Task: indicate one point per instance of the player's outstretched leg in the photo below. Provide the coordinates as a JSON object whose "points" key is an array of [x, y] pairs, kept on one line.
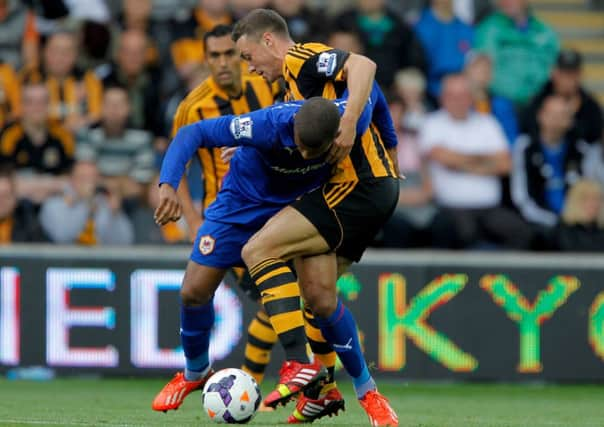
{"points": [[341, 331], [281, 299], [196, 320]]}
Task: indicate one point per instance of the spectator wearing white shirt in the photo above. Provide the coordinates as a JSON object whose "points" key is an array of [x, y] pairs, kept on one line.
{"points": [[122, 154], [467, 153]]}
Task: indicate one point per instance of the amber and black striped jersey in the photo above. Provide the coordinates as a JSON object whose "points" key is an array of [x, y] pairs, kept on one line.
{"points": [[10, 95], [208, 100], [314, 69], [54, 155], [80, 93]]}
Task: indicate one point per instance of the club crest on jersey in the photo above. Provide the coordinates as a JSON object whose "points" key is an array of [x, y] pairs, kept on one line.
{"points": [[241, 127], [206, 244], [326, 63]]}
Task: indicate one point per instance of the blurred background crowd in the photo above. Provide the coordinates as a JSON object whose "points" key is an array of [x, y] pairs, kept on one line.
{"points": [[499, 138]]}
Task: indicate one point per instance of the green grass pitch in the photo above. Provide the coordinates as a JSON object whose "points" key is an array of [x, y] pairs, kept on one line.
{"points": [[126, 402]]}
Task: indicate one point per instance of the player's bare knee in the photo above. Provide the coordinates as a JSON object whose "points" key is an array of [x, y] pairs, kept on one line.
{"points": [[320, 303], [254, 252], [192, 295], [247, 254]]}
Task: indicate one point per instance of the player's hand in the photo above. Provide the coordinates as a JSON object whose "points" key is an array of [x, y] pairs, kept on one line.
{"points": [[169, 208], [344, 141], [227, 153]]}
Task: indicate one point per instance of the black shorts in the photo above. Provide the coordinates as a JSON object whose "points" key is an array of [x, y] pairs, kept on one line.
{"points": [[349, 219]]}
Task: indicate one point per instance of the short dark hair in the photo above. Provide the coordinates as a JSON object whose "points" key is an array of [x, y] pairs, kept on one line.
{"points": [[258, 22], [317, 122], [219, 30]]}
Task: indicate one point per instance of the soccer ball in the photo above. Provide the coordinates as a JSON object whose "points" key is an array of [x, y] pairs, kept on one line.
{"points": [[231, 396]]}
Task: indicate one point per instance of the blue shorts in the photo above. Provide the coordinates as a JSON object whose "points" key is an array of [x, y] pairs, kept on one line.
{"points": [[219, 245]]}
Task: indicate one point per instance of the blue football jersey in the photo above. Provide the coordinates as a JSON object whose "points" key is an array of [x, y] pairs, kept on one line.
{"points": [[267, 171]]}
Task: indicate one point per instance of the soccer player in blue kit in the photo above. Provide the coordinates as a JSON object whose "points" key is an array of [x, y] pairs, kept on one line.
{"points": [[282, 156]]}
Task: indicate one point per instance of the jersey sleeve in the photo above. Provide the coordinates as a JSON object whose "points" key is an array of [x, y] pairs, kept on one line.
{"points": [[365, 117], [319, 69], [256, 129], [381, 117], [376, 111]]}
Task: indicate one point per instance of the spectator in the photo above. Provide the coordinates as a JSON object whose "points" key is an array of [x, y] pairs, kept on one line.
{"points": [[136, 15], [187, 49], [85, 213], [10, 95], [386, 38], [75, 96], [130, 71], [522, 47], [18, 34], [467, 154], [446, 41], [18, 222], [478, 71], [581, 228], [546, 163], [347, 41], [121, 154], [305, 24], [566, 81], [145, 229], [41, 151], [408, 226]]}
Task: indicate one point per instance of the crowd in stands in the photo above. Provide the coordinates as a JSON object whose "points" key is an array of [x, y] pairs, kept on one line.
{"points": [[500, 143]]}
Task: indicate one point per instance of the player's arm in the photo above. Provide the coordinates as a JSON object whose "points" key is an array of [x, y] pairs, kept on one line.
{"points": [[376, 111], [336, 65], [254, 129], [382, 119], [193, 217], [359, 73], [366, 116]]}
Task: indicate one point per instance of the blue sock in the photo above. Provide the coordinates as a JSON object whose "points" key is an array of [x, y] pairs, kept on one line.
{"points": [[341, 332], [195, 327]]}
